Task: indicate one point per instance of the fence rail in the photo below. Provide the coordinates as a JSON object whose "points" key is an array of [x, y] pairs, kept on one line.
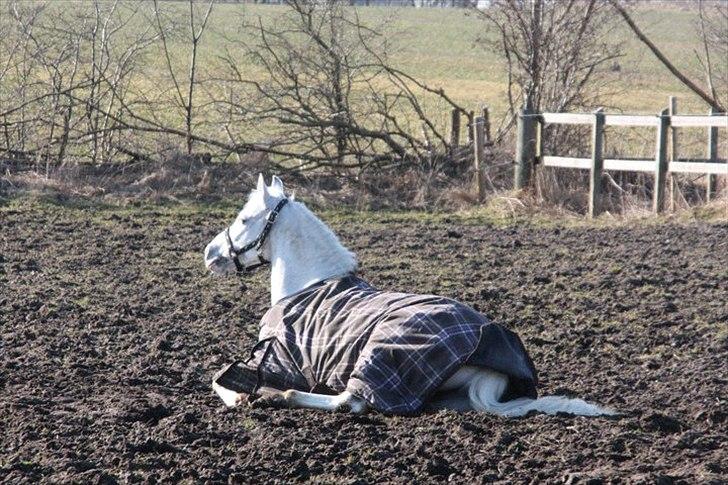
{"points": [[677, 121], [531, 138]]}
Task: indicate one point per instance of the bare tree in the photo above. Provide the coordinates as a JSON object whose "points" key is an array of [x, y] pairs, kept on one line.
{"points": [[713, 28], [50, 69], [185, 97], [15, 76], [323, 94], [113, 52], [558, 54], [69, 70], [328, 96], [714, 36]]}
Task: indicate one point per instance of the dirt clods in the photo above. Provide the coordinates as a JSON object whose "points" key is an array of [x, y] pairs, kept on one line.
{"points": [[111, 330]]}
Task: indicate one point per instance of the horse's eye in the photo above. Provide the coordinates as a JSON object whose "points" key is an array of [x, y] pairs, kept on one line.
{"points": [[244, 221]]}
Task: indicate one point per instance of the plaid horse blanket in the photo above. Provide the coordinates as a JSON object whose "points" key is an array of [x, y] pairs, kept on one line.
{"points": [[392, 349]]}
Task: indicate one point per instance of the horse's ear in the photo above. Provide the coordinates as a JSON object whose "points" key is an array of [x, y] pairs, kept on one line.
{"points": [[293, 196], [277, 184], [261, 183]]}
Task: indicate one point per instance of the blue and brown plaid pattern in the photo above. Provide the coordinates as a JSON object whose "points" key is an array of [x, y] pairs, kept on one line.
{"points": [[392, 349]]}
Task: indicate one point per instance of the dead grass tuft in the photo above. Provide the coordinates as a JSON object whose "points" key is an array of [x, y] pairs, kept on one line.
{"points": [[557, 194]]}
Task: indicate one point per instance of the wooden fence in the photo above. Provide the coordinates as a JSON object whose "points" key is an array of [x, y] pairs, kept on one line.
{"points": [[529, 148]]}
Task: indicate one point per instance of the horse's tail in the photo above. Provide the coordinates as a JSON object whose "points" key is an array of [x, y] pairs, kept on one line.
{"points": [[486, 387]]}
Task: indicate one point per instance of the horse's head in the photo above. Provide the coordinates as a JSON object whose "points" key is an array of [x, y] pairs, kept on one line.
{"points": [[243, 245]]}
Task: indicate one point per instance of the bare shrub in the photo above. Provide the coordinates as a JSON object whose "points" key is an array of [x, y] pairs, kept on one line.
{"points": [[184, 95], [713, 28], [65, 85], [558, 55], [327, 96]]}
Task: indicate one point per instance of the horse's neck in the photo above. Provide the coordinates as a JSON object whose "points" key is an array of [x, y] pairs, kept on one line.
{"points": [[303, 252]]}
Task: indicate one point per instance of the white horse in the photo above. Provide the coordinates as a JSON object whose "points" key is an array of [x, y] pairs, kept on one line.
{"points": [[303, 251]]}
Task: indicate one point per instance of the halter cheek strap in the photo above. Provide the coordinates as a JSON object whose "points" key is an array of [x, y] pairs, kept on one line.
{"points": [[256, 243], [234, 252]]}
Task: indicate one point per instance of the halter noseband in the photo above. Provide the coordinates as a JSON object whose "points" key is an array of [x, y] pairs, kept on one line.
{"points": [[256, 243]]}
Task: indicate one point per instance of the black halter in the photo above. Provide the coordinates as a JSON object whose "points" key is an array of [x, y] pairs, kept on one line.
{"points": [[256, 243]]}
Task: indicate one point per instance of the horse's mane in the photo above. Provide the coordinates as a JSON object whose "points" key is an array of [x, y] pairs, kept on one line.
{"points": [[306, 228]]}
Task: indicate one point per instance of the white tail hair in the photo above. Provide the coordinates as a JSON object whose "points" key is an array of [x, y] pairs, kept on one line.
{"points": [[486, 387]]}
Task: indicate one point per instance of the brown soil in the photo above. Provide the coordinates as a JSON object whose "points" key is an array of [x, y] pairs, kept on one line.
{"points": [[111, 331]]}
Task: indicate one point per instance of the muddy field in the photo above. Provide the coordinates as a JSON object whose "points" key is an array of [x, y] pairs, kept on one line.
{"points": [[111, 331]]}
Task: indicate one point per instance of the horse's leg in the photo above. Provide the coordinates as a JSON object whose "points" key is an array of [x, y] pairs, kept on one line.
{"points": [[310, 400], [230, 398]]}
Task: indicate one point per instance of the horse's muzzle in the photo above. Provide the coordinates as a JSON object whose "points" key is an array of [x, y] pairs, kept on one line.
{"points": [[220, 266]]}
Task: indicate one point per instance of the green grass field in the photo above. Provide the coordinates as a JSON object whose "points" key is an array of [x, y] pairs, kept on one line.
{"points": [[440, 47]]}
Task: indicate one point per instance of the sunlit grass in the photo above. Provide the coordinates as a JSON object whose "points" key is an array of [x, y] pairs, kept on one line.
{"points": [[440, 46]]}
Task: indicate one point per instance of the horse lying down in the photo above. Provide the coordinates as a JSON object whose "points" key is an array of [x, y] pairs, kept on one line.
{"points": [[331, 341]]}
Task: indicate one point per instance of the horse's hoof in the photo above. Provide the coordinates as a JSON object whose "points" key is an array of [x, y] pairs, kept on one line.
{"points": [[354, 406], [358, 407]]}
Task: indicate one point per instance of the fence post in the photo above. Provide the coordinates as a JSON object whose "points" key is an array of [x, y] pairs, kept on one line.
{"points": [[479, 153], [712, 155], [486, 124], [525, 148], [538, 153], [597, 166], [454, 129], [672, 153], [658, 202], [471, 120]]}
